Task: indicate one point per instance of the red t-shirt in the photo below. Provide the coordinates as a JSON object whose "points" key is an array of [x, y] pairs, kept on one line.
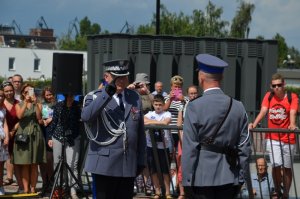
{"points": [[279, 116]]}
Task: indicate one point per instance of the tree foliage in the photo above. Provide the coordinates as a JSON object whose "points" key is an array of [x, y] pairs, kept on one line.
{"points": [[282, 49], [241, 21], [87, 28], [200, 23], [80, 41], [260, 37], [293, 89], [22, 43], [207, 22]]}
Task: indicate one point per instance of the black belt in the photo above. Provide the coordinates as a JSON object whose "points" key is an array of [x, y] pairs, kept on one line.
{"points": [[214, 148]]}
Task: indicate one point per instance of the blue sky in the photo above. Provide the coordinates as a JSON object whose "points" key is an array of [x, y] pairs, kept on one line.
{"points": [[270, 16]]}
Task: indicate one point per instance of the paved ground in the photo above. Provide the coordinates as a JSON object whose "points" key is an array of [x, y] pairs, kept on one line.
{"points": [[295, 189]]}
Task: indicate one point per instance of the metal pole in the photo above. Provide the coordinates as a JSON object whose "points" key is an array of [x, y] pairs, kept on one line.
{"points": [[157, 17]]}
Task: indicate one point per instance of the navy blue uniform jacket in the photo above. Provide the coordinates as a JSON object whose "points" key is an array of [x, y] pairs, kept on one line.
{"points": [[110, 160]]}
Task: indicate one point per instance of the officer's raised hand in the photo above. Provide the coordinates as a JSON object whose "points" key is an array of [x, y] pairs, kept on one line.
{"points": [[111, 88]]}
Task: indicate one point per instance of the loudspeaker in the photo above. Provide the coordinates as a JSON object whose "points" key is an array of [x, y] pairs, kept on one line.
{"points": [[67, 73]]}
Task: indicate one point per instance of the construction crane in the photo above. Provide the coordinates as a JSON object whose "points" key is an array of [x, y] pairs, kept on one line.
{"points": [[40, 22], [129, 29], [73, 26], [15, 25]]}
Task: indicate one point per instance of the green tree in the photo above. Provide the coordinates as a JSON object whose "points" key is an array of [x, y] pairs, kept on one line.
{"points": [[214, 26], [241, 21], [146, 29], [282, 49], [80, 40], [198, 24], [260, 37], [22, 43], [87, 28]]}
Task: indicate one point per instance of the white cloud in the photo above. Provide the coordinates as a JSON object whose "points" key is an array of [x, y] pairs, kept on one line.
{"points": [[277, 16]]}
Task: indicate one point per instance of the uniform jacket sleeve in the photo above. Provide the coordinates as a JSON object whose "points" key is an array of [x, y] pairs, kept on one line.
{"points": [[94, 103], [244, 148]]}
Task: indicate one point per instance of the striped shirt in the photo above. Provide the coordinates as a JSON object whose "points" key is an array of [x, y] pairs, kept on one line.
{"points": [[174, 108]]}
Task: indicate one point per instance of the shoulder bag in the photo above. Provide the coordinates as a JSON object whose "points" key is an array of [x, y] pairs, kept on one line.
{"points": [[23, 138]]}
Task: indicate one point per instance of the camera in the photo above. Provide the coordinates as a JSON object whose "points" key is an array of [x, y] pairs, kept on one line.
{"points": [[138, 85]]}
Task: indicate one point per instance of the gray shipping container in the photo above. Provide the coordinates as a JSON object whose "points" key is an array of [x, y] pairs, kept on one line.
{"points": [[251, 61]]}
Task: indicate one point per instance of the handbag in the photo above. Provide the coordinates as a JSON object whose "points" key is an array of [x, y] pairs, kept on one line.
{"points": [[22, 138]]}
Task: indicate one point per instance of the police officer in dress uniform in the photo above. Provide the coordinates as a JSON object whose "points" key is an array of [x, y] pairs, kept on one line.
{"points": [[216, 146], [115, 126]]}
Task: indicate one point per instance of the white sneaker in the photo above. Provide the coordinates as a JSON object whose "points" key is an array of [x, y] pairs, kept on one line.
{"points": [[2, 192]]}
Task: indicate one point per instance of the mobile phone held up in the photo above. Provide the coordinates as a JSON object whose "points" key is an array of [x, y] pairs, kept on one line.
{"points": [[104, 83], [30, 92], [177, 93]]}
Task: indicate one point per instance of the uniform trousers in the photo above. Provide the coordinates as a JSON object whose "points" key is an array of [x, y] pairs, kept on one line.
{"points": [[108, 187], [228, 191]]}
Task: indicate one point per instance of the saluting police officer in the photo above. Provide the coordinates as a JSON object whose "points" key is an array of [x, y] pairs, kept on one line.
{"points": [[115, 126], [216, 146]]}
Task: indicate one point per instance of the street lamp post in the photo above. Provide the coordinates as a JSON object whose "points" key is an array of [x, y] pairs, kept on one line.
{"points": [[157, 17]]}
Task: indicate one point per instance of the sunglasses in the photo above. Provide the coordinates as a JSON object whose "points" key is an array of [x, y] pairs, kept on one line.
{"points": [[277, 85]]}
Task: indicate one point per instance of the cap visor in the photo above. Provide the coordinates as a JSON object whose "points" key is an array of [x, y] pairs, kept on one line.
{"points": [[119, 75]]}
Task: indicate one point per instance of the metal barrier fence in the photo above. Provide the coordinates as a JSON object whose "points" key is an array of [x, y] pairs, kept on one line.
{"points": [[152, 129], [258, 150], [271, 153]]}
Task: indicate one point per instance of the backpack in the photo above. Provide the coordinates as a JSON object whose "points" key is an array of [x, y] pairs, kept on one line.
{"points": [[289, 96]]}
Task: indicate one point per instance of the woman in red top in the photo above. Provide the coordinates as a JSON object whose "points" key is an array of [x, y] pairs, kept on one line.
{"points": [[12, 123]]}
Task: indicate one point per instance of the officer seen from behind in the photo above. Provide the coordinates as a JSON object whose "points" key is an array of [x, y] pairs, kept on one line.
{"points": [[216, 146]]}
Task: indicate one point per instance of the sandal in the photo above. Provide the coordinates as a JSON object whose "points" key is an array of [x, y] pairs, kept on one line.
{"points": [[8, 181], [156, 196], [181, 197], [169, 197]]}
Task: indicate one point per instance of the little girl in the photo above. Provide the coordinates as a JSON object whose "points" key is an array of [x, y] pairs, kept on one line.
{"points": [[3, 139]]}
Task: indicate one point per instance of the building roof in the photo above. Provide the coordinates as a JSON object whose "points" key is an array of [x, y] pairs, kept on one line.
{"points": [[289, 73]]}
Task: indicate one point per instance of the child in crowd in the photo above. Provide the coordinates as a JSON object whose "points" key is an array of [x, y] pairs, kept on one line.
{"points": [[3, 139], [163, 141], [47, 114]]}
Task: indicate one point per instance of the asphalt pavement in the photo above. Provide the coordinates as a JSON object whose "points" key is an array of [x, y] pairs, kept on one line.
{"points": [[13, 188]]}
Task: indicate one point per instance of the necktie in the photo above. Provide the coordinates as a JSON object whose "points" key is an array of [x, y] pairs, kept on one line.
{"points": [[121, 102]]}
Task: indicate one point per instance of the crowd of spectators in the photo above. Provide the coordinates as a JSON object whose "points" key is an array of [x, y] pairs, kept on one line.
{"points": [[47, 123], [31, 128]]}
